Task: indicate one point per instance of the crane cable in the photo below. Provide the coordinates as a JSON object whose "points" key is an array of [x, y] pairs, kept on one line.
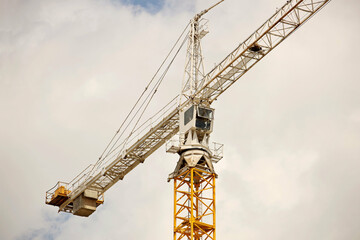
{"points": [[155, 88], [152, 93], [140, 97]]}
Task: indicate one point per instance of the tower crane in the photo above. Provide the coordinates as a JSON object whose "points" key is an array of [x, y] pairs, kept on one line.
{"points": [[189, 117]]}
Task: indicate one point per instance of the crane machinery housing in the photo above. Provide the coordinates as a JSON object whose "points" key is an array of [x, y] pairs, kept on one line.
{"points": [[190, 118]]}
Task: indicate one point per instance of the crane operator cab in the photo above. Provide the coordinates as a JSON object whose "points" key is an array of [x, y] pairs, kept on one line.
{"points": [[196, 124], [197, 118]]}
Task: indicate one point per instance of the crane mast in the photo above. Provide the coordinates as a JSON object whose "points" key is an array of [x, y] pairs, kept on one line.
{"points": [[192, 118]]}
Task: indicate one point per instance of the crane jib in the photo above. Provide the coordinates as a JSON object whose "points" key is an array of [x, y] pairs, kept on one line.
{"points": [[281, 25]]}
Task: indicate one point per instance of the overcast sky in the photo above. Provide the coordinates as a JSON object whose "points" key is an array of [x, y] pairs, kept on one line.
{"points": [[70, 71]]}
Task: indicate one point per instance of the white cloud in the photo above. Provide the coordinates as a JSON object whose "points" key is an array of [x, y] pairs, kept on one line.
{"points": [[69, 72]]}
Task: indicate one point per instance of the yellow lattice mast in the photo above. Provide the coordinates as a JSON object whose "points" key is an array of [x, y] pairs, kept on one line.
{"points": [[194, 204]]}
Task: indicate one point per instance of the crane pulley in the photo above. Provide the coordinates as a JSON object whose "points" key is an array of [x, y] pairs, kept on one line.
{"points": [[192, 117]]}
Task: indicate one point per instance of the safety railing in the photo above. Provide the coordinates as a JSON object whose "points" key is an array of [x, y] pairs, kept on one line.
{"points": [[51, 192], [217, 149], [217, 152]]}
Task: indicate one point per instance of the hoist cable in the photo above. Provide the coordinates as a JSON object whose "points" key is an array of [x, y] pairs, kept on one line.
{"points": [[138, 100], [155, 90], [152, 93]]}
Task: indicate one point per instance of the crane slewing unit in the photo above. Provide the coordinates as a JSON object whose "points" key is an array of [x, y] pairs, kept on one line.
{"points": [[191, 117]]}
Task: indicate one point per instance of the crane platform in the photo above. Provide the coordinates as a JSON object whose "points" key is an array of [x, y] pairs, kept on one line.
{"points": [[85, 204], [59, 196], [184, 228]]}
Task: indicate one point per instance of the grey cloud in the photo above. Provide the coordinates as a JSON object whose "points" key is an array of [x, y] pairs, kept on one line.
{"points": [[69, 72]]}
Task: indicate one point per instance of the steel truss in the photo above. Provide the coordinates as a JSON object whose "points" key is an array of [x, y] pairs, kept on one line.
{"points": [[281, 25], [194, 205]]}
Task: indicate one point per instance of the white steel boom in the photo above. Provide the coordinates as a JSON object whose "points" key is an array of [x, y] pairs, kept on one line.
{"points": [[275, 30]]}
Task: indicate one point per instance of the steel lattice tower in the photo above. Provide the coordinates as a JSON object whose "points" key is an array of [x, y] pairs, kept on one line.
{"points": [[194, 205]]}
